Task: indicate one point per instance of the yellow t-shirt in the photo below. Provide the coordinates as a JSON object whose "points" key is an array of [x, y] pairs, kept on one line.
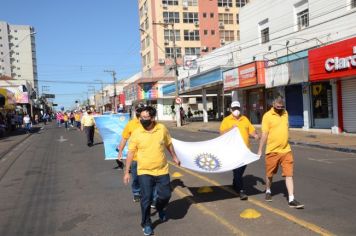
{"points": [[149, 147], [277, 128], [131, 126], [77, 117], [88, 120], [65, 118], [243, 123]]}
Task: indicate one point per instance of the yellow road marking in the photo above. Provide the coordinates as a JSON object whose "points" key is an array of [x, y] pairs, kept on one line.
{"points": [[303, 223], [176, 175], [206, 211]]}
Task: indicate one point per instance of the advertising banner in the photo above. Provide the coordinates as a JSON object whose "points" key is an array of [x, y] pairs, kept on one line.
{"points": [[231, 79], [110, 128]]}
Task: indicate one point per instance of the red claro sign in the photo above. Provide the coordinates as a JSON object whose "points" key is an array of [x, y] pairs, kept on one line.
{"points": [[178, 100], [333, 61]]}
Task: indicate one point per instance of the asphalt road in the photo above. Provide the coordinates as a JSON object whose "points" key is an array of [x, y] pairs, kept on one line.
{"points": [[53, 184]]}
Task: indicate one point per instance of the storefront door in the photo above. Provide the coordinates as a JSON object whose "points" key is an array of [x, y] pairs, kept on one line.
{"points": [[294, 105], [255, 105], [349, 105], [322, 105]]}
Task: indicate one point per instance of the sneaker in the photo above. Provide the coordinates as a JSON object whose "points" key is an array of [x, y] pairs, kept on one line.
{"points": [[268, 197], [162, 216], [153, 205], [147, 230], [136, 198], [243, 196], [295, 204]]}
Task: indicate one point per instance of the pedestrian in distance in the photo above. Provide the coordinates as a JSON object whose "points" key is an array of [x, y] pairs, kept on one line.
{"points": [[278, 151], [182, 116], [88, 125], [66, 120], [27, 123], [148, 143], [241, 122]]}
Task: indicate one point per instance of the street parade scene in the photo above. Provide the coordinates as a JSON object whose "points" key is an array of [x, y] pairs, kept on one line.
{"points": [[178, 117]]}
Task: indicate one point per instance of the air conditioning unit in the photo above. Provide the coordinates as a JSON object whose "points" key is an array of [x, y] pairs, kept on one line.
{"points": [[185, 5], [161, 61], [222, 41], [227, 8], [164, 5], [166, 42], [221, 25], [204, 48], [196, 23]]}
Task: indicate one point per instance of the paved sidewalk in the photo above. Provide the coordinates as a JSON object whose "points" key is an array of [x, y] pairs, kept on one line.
{"points": [[313, 137]]}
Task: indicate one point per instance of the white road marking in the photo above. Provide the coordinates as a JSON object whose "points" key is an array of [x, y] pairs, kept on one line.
{"points": [[61, 140], [331, 161]]}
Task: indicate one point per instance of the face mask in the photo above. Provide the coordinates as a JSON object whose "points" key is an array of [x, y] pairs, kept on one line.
{"points": [[146, 123], [236, 113], [279, 111]]}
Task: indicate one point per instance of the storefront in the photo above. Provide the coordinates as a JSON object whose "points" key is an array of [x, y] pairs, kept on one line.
{"points": [[248, 81], [333, 77], [289, 80]]}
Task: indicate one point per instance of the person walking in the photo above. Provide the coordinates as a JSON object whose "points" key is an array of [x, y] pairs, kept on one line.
{"points": [[88, 124], [237, 120], [148, 143], [278, 151], [27, 123], [66, 121], [77, 119]]}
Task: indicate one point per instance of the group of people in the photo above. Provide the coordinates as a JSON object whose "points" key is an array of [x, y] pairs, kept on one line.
{"points": [[69, 119], [147, 165]]}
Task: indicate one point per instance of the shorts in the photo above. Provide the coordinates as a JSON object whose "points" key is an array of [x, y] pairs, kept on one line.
{"points": [[273, 160]]}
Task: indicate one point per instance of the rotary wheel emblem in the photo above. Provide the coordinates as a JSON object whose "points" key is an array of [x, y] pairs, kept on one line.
{"points": [[207, 162]]}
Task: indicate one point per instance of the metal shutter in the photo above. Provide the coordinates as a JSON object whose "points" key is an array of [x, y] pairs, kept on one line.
{"points": [[349, 105]]}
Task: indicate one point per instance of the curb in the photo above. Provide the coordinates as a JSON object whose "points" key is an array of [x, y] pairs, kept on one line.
{"points": [[339, 149]]}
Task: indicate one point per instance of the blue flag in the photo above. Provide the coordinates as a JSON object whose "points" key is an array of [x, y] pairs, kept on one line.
{"points": [[110, 128]]}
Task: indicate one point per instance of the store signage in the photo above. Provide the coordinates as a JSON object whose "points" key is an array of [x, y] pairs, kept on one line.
{"points": [[231, 79], [247, 75], [336, 63], [178, 100]]}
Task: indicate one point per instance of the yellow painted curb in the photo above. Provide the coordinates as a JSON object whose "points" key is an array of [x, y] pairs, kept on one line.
{"points": [[250, 214], [205, 189], [176, 175]]}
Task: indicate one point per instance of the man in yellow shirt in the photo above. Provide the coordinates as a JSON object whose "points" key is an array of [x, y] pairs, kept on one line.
{"points": [[236, 120], [126, 134], [87, 124], [148, 143], [275, 132]]}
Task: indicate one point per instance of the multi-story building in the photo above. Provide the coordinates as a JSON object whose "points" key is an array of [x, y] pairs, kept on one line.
{"points": [[178, 28], [18, 53]]}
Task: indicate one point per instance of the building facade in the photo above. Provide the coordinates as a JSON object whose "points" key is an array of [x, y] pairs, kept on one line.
{"points": [[18, 53], [179, 28]]}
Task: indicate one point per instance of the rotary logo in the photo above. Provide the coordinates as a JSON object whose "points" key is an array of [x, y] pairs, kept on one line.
{"points": [[122, 118], [207, 162]]}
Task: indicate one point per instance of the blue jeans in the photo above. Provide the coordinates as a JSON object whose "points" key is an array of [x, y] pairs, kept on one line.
{"points": [[237, 181], [163, 186], [135, 186]]}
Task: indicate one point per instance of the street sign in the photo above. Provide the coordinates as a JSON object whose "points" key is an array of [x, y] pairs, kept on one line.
{"points": [[46, 95], [178, 100]]}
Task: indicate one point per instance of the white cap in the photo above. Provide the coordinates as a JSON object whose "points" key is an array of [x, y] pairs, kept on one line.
{"points": [[235, 104]]}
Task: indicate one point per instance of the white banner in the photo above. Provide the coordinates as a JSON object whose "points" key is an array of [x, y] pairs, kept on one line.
{"points": [[224, 153]]}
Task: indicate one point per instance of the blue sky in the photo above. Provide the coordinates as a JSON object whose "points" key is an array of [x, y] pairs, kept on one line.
{"points": [[77, 40]]}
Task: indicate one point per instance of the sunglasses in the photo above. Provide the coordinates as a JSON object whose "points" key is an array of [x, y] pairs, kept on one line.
{"points": [[235, 108], [279, 107]]}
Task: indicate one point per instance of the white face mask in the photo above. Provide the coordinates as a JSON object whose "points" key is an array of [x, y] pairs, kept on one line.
{"points": [[236, 113]]}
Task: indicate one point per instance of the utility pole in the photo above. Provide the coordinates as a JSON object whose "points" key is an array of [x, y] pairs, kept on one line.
{"points": [[113, 73], [175, 66], [102, 95]]}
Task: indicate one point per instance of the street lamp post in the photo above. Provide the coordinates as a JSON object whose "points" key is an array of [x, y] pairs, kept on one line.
{"points": [[175, 66]]}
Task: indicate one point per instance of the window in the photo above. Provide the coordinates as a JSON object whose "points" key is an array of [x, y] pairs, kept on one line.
{"points": [[227, 35], [212, 32], [265, 35], [170, 2], [146, 24], [169, 35], [224, 3], [143, 44], [190, 17], [170, 54], [238, 35], [191, 35], [205, 32], [226, 18], [148, 58], [191, 2], [211, 15], [303, 19], [141, 12], [241, 3], [237, 19], [147, 42], [192, 51], [171, 17], [353, 3], [204, 15]]}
